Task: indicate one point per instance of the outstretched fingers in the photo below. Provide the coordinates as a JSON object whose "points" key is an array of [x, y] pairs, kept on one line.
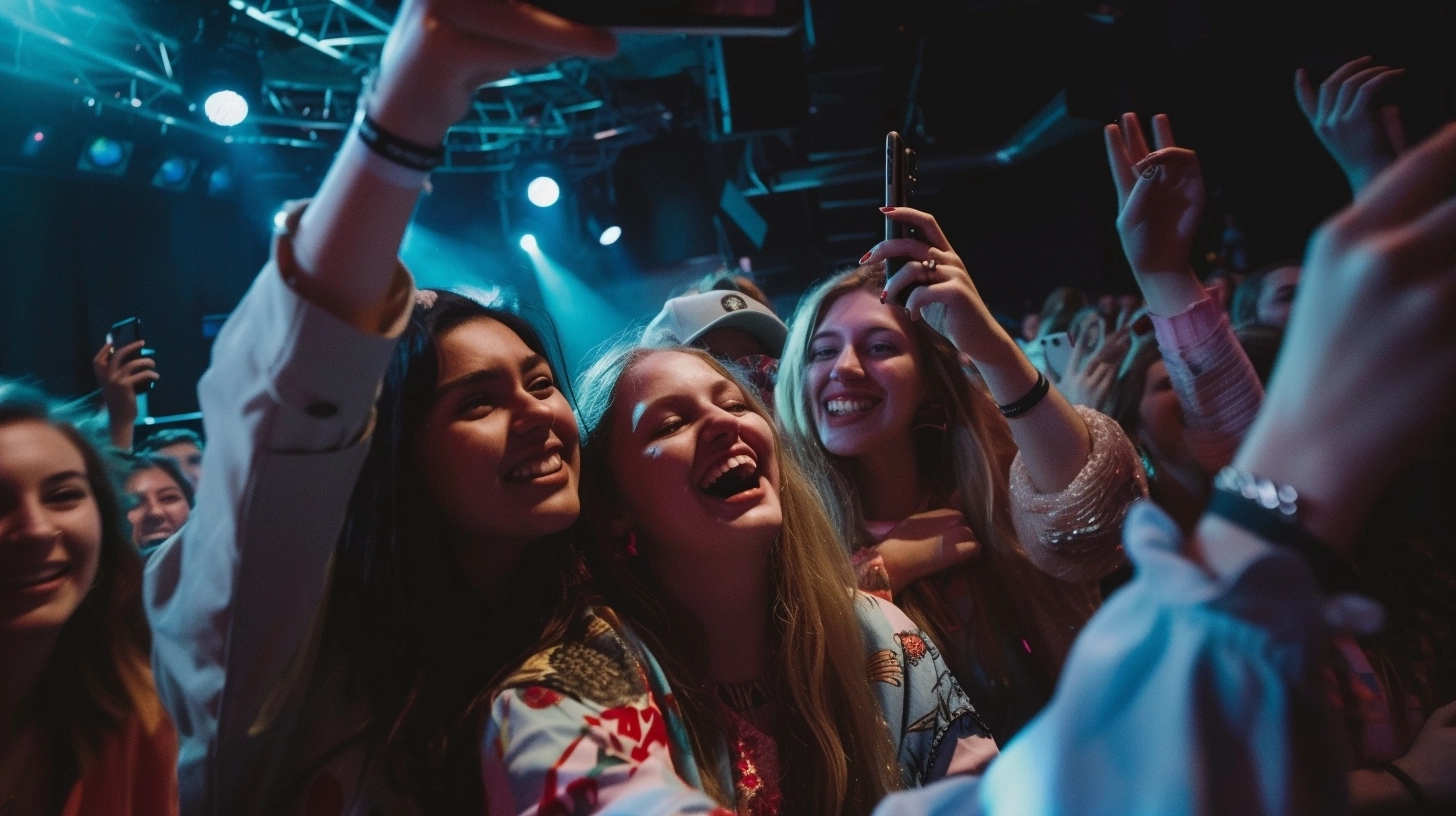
{"points": [[1411, 187], [930, 231], [1132, 132], [1163, 132], [1117, 159]]}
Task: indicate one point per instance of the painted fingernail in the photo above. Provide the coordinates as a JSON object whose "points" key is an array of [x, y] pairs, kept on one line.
{"points": [[882, 295], [866, 256], [887, 209]]}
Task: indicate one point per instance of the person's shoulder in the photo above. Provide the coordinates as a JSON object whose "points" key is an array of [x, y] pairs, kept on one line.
{"points": [[593, 663]]}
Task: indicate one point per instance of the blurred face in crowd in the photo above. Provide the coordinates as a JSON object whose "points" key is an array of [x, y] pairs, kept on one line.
{"points": [[499, 447], [1276, 295], [188, 458], [865, 378], [158, 506], [50, 529], [1160, 417], [693, 462]]}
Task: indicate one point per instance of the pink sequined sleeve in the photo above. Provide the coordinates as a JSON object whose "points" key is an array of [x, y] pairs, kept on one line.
{"points": [[1075, 534], [1213, 378]]}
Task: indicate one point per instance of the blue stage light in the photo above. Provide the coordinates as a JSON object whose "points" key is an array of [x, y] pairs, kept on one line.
{"points": [[543, 191], [226, 108], [175, 173], [610, 235], [528, 243], [280, 219], [106, 153]]}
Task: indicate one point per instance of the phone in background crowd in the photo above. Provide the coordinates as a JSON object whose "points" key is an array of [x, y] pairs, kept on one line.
{"points": [[124, 333], [899, 183], [727, 18], [1056, 349]]}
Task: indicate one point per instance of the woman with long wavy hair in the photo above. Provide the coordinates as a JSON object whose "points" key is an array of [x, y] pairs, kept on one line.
{"points": [[84, 733], [990, 527], [727, 651]]}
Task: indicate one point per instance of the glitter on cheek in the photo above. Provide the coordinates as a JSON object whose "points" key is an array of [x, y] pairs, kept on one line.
{"points": [[654, 452]]}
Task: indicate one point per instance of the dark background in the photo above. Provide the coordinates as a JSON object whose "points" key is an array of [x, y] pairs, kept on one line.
{"points": [[80, 251]]}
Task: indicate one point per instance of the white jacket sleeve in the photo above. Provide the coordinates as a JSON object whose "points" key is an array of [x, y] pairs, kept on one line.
{"points": [[286, 405], [1185, 694]]}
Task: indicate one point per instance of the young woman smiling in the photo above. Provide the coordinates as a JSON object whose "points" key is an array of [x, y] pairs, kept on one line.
{"points": [[82, 732], [991, 532], [729, 653], [390, 479]]}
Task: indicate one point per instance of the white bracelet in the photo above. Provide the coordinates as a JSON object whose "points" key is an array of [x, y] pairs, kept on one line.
{"points": [[354, 154]]}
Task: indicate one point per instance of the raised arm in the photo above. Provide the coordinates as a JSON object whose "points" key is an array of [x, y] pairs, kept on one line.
{"points": [[119, 374], [1054, 441], [1160, 202], [1360, 137]]}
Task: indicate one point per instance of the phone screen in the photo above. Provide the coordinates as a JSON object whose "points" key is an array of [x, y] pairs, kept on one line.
{"points": [[124, 333], [1057, 349], [742, 18]]}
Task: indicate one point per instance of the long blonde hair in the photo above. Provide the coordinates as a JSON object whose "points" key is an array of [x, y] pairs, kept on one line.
{"points": [[837, 753], [971, 461]]}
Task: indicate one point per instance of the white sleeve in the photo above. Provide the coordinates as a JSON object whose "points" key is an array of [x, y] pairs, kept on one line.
{"points": [[286, 406], [1185, 694]]}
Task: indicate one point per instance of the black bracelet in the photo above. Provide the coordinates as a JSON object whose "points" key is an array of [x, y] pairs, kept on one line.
{"points": [[397, 149], [1028, 402], [1416, 794], [1333, 573]]}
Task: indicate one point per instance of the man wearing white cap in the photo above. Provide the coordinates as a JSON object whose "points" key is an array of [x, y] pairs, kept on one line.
{"points": [[729, 325]]}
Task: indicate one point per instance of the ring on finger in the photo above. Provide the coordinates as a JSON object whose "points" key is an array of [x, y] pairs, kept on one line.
{"points": [[929, 264]]}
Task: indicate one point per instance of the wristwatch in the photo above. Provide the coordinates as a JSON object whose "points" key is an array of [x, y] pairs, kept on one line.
{"points": [[1272, 512]]}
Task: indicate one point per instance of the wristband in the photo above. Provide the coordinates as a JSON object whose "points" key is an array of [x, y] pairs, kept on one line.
{"points": [[1417, 795], [1028, 402], [1271, 512], [398, 149], [356, 154]]}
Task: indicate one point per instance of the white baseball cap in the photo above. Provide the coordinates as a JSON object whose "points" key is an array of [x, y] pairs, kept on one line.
{"points": [[685, 319]]}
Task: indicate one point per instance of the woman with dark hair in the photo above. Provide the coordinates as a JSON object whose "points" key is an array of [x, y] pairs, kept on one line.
{"points": [[82, 732], [159, 500], [990, 527], [726, 654], [391, 479]]}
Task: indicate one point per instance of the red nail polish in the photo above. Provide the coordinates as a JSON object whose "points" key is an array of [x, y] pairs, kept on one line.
{"points": [[882, 296], [887, 209], [866, 256]]}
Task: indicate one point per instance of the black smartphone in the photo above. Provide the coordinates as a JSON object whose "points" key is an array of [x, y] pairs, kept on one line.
{"points": [[899, 183], [124, 333], [725, 18]]}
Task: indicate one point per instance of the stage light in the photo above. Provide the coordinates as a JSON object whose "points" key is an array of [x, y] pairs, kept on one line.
{"points": [[610, 235], [543, 191], [220, 182], [226, 108], [105, 155], [175, 173], [528, 243], [280, 219], [34, 143]]}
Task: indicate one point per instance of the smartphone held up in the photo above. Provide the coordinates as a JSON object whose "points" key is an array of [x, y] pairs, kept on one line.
{"points": [[900, 172], [728, 18], [124, 333]]}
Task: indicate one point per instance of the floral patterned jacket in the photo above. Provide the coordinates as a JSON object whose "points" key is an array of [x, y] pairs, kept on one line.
{"points": [[591, 724]]}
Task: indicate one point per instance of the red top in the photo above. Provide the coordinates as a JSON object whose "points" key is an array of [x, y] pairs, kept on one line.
{"points": [[135, 774]]}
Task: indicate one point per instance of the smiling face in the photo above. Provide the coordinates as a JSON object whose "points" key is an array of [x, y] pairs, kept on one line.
{"points": [[692, 462], [50, 528], [159, 507], [864, 378], [188, 458], [499, 447]]}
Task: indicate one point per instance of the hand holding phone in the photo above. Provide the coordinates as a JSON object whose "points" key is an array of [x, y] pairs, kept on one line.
{"points": [[125, 333]]}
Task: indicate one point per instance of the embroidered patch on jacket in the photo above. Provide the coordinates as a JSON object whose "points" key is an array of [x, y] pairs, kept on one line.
{"points": [[884, 667], [584, 672], [914, 645]]}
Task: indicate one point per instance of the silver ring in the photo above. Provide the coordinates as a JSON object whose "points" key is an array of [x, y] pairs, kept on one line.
{"points": [[929, 265]]}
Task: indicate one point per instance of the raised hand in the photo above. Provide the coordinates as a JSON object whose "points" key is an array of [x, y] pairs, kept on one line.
{"points": [[1431, 761], [940, 289], [440, 51], [119, 375], [1368, 369], [1362, 139], [1160, 203]]}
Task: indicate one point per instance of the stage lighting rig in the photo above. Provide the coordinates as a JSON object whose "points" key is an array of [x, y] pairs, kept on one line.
{"points": [[221, 72], [543, 191]]}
